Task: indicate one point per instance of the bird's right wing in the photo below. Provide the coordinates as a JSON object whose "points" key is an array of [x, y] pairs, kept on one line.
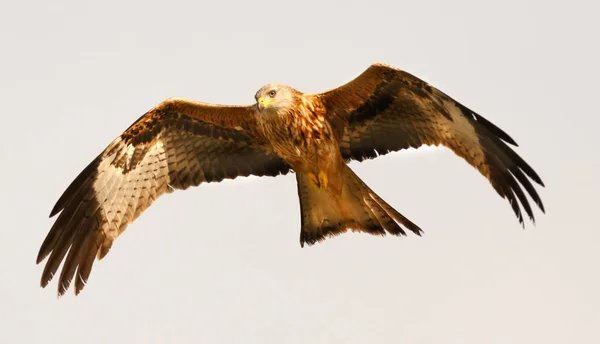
{"points": [[176, 145]]}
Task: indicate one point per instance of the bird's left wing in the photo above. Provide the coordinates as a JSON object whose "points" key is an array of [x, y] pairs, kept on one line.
{"points": [[176, 145], [385, 109]]}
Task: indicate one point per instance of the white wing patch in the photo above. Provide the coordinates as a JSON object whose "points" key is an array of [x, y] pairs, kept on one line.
{"points": [[460, 136], [123, 195], [459, 128]]}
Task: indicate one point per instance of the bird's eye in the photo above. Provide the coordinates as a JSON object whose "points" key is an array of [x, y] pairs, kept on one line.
{"points": [[272, 93]]}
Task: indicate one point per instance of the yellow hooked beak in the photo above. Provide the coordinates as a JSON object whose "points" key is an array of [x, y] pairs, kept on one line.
{"points": [[263, 103]]}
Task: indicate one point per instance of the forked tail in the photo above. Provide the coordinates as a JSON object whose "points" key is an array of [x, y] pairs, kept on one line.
{"points": [[358, 208]]}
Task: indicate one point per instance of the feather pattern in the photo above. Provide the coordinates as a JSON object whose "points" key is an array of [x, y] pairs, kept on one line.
{"points": [[385, 110], [168, 148], [182, 143]]}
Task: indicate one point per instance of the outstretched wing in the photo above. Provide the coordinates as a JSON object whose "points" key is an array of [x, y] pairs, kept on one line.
{"points": [[176, 145], [386, 109]]}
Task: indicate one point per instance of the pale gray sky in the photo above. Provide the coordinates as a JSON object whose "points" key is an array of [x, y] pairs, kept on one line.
{"points": [[75, 74]]}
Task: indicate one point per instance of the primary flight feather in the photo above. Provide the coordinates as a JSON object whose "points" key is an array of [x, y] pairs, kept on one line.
{"points": [[182, 143]]}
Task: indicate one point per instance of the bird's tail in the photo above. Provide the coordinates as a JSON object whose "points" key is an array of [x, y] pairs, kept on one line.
{"points": [[358, 208]]}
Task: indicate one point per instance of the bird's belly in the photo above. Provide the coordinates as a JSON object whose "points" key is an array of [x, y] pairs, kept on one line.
{"points": [[321, 161]]}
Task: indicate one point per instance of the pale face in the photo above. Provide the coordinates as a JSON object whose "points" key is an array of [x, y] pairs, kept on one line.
{"points": [[274, 97]]}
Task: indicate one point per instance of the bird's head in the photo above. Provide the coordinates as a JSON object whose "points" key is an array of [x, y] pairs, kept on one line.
{"points": [[275, 97]]}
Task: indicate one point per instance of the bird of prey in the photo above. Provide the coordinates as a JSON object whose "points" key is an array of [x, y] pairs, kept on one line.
{"points": [[182, 143]]}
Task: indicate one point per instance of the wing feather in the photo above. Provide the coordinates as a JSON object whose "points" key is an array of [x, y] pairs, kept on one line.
{"points": [[176, 145], [385, 109]]}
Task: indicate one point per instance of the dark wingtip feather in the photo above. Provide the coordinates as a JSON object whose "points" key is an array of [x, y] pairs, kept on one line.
{"points": [[503, 182], [79, 289], [45, 280], [487, 124], [72, 190], [516, 188], [55, 210], [416, 230], [528, 187], [86, 260], [522, 164], [494, 129], [512, 155], [40, 257], [509, 171], [77, 264]]}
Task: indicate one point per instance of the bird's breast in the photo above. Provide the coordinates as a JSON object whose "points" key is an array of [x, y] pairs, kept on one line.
{"points": [[301, 137]]}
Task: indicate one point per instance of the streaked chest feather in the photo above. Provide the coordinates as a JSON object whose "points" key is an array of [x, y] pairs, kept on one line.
{"points": [[301, 133]]}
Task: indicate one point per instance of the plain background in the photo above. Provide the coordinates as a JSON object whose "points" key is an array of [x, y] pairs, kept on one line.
{"points": [[222, 263]]}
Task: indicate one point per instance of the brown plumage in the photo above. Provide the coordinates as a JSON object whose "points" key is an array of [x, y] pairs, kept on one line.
{"points": [[182, 143]]}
